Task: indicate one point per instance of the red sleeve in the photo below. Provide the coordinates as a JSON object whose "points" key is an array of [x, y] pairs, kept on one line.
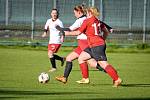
{"points": [[83, 27]]}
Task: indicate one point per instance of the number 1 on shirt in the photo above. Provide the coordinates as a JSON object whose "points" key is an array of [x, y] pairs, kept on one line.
{"points": [[95, 28]]}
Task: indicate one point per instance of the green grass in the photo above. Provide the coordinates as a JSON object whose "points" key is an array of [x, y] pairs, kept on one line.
{"points": [[19, 70]]}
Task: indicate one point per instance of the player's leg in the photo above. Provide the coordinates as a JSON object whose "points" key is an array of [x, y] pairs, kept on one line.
{"points": [[53, 48], [62, 59], [111, 72], [100, 56], [94, 64], [52, 61], [83, 44], [84, 56], [73, 55]]}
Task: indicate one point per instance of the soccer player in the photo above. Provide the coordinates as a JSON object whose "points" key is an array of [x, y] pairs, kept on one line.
{"points": [[55, 39], [82, 44], [97, 46]]}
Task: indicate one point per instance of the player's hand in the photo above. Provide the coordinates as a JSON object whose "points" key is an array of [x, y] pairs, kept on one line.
{"points": [[62, 39], [44, 34], [111, 30], [66, 32], [60, 29]]}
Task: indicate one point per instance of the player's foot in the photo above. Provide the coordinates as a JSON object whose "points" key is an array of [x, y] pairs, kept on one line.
{"points": [[117, 82], [63, 61], [84, 81], [61, 79], [52, 70]]}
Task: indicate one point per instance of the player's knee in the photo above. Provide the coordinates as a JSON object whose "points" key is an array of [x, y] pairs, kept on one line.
{"points": [[50, 55], [68, 58], [92, 63], [103, 64], [80, 60]]}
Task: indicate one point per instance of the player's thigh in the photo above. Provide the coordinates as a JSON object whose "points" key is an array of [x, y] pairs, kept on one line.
{"points": [[54, 47], [84, 56], [73, 55], [98, 53], [92, 62], [78, 50], [50, 53]]}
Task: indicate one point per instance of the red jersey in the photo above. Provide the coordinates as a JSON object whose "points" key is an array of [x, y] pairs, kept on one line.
{"points": [[92, 28]]}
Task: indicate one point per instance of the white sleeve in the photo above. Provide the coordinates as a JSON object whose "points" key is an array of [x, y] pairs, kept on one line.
{"points": [[61, 24], [46, 25], [75, 26]]}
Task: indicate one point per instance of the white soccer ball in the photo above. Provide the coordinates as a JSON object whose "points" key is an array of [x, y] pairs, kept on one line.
{"points": [[43, 77]]}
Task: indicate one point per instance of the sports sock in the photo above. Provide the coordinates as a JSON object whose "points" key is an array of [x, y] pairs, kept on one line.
{"points": [[100, 68], [57, 57], [84, 70], [68, 69], [53, 62], [111, 72]]}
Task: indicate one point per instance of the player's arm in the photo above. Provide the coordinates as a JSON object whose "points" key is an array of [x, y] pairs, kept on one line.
{"points": [[45, 33], [79, 31], [66, 29], [73, 27], [109, 28], [72, 33], [46, 29], [105, 32]]}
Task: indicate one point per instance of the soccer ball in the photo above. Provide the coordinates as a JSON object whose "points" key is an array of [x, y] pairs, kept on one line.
{"points": [[43, 77]]}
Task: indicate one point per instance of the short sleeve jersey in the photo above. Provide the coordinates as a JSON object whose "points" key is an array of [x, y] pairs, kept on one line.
{"points": [[92, 28], [77, 24], [54, 36]]}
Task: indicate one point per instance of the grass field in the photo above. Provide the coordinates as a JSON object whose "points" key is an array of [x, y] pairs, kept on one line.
{"points": [[19, 70]]}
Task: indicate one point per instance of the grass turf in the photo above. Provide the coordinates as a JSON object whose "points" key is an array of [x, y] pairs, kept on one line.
{"points": [[19, 70]]}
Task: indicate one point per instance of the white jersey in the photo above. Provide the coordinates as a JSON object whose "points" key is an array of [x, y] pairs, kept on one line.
{"points": [[54, 35], [77, 24]]}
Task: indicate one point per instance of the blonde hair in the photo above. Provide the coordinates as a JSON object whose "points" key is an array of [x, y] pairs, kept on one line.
{"points": [[94, 11]]}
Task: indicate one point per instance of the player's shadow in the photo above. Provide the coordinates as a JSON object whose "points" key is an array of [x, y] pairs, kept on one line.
{"points": [[9, 98], [135, 85], [16, 92], [124, 85]]}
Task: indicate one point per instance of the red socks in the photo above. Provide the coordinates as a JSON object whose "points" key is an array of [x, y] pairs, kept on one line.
{"points": [[109, 69], [111, 72], [84, 70]]}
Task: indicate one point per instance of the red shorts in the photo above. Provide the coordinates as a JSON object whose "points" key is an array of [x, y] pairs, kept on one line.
{"points": [[82, 44], [78, 50], [54, 47]]}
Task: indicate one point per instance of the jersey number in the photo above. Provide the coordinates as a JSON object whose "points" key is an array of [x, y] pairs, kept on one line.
{"points": [[95, 28]]}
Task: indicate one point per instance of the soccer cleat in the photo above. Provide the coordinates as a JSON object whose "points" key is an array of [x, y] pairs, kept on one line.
{"points": [[117, 82], [63, 61], [52, 70], [84, 81], [61, 79]]}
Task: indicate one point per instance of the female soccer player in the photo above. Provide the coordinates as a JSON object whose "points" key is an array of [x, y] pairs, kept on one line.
{"points": [[82, 44], [96, 41], [55, 39]]}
